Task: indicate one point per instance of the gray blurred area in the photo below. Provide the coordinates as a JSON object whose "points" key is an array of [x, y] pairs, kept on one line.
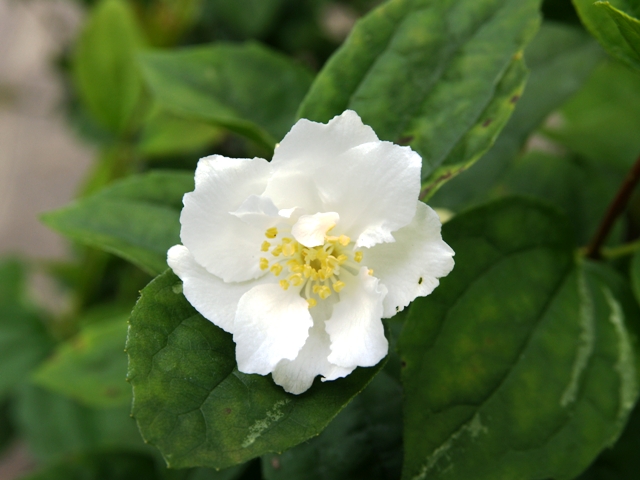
{"points": [[41, 161]]}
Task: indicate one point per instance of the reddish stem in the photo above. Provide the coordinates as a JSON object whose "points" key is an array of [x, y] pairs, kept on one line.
{"points": [[616, 207]]}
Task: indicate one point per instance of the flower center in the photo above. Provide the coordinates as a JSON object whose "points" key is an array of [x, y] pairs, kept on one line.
{"points": [[315, 270]]}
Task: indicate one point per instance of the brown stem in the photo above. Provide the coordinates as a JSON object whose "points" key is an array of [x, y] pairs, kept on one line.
{"points": [[616, 207]]}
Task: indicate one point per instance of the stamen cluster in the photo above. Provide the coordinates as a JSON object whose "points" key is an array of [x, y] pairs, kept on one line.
{"points": [[315, 270]]}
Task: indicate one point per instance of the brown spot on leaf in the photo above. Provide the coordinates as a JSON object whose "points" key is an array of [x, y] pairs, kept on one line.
{"points": [[487, 122], [515, 98], [111, 392], [404, 364], [275, 463], [227, 411]]}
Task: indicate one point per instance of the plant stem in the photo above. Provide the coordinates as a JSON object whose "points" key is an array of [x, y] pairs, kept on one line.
{"points": [[616, 207]]}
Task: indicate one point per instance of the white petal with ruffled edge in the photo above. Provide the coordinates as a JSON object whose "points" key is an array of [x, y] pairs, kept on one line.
{"points": [[271, 324], [374, 189], [301, 158], [216, 300], [411, 266], [343, 167], [219, 241], [355, 327], [297, 376]]}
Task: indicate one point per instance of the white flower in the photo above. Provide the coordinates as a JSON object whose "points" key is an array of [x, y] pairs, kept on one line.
{"points": [[302, 257]]}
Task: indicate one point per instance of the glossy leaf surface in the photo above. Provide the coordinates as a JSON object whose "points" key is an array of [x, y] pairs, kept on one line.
{"points": [[521, 355]]}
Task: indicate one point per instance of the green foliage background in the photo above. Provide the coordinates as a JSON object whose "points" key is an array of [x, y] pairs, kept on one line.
{"points": [[523, 363]]}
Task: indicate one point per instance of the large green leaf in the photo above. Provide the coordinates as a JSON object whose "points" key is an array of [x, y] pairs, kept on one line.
{"points": [[560, 58], [232, 15], [105, 66], [54, 426], [521, 356], [136, 218], [246, 88], [90, 367], [441, 76], [579, 187], [617, 31], [363, 442], [191, 401], [24, 341]]}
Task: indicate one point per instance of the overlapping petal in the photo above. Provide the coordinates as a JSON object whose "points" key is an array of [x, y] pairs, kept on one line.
{"points": [[219, 241], [271, 324], [355, 327], [411, 266], [297, 376], [216, 300]]}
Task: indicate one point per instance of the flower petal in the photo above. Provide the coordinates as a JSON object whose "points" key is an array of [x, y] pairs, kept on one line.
{"points": [[296, 376], [411, 266], [219, 241], [355, 328], [310, 230], [271, 324], [301, 158], [343, 167], [216, 300], [375, 191]]}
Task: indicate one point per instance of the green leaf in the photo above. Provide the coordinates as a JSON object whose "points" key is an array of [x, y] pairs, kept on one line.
{"points": [[582, 189], [91, 367], [100, 466], [136, 218], [560, 59], [618, 32], [246, 88], [441, 76], [191, 401], [165, 134], [363, 442], [105, 67], [54, 426], [521, 355], [24, 341], [601, 122]]}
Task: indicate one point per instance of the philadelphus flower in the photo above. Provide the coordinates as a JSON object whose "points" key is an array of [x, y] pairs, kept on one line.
{"points": [[300, 258]]}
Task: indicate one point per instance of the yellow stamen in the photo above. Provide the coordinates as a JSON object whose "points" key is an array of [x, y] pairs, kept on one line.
{"points": [[264, 263], [276, 251], [265, 246], [342, 258], [296, 279], [284, 284], [370, 272], [312, 302], [316, 288], [344, 240], [339, 285], [271, 232], [308, 271], [324, 292], [357, 257], [289, 249], [287, 240], [276, 269]]}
